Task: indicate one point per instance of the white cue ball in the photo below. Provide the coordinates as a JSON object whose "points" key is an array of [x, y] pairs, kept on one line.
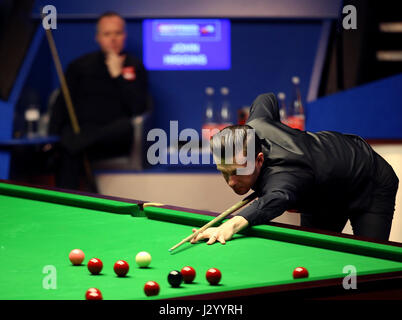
{"points": [[143, 259]]}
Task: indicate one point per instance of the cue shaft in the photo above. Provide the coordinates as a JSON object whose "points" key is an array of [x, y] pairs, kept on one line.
{"points": [[223, 215], [63, 82], [69, 103]]}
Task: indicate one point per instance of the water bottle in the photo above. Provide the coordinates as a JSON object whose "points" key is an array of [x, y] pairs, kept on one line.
{"points": [[209, 122], [32, 115], [297, 118], [283, 114], [43, 125], [225, 113]]}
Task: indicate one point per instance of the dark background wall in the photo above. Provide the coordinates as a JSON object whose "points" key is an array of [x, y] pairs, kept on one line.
{"points": [[271, 41], [265, 54]]}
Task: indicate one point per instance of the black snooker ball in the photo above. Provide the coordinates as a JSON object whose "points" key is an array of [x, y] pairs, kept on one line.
{"points": [[175, 278]]}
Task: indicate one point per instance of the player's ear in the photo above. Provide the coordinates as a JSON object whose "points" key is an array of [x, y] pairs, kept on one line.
{"points": [[259, 160]]}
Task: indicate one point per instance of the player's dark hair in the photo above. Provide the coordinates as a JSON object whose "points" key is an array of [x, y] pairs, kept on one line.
{"points": [[108, 14], [235, 137]]}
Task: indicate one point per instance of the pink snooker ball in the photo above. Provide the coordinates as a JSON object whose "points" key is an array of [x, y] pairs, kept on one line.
{"points": [[76, 257]]}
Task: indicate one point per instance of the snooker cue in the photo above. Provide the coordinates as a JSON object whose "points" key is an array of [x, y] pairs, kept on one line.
{"points": [[69, 104], [224, 214]]}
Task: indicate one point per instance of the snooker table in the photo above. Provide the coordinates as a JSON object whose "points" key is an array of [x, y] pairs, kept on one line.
{"points": [[40, 226]]}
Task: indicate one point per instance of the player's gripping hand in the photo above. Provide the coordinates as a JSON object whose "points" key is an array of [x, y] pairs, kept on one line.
{"points": [[213, 235], [222, 233]]}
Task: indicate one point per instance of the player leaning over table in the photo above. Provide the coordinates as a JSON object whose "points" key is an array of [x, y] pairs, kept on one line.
{"points": [[328, 177]]}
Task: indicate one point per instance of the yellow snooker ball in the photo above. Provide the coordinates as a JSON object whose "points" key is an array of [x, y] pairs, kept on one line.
{"points": [[143, 259]]}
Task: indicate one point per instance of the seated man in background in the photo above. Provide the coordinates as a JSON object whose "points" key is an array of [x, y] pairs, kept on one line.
{"points": [[107, 87]]}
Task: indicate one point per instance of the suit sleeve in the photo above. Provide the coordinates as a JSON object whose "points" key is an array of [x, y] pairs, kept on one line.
{"points": [[281, 192], [265, 106]]}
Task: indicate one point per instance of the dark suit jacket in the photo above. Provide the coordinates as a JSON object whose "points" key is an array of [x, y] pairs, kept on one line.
{"points": [[316, 173], [98, 99]]}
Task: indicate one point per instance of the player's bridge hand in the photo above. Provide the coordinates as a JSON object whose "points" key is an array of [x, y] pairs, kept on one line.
{"points": [[220, 234]]}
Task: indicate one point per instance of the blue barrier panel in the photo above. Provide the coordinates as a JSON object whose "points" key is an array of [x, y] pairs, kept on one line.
{"points": [[373, 111]]}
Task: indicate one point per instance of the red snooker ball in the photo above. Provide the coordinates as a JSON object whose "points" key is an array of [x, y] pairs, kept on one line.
{"points": [[121, 268], [213, 276], [93, 294], [95, 266], [188, 274], [300, 272], [151, 288]]}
